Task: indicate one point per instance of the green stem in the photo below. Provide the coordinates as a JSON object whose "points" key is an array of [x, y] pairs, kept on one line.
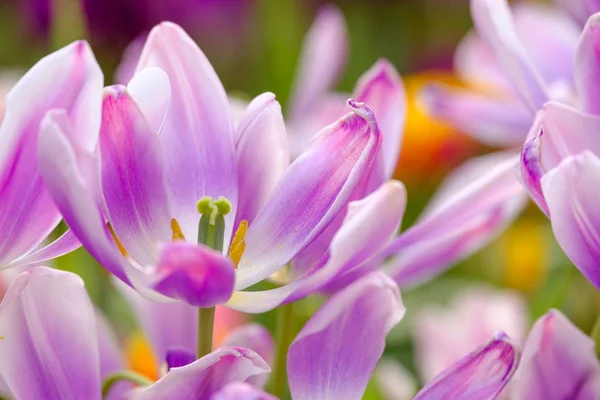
{"points": [[128, 376], [283, 338], [206, 322]]}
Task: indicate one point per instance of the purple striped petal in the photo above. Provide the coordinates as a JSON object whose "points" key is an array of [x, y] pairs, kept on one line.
{"points": [[133, 180], [324, 176], [68, 79], [241, 391], [370, 223], [572, 192], [480, 375], [197, 136], [322, 61], [382, 90], [66, 243], [554, 343], [73, 192], [494, 23], [495, 122], [336, 352], [49, 342], [262, 154], [531, 164], [255, 337], [206, 376], [587, 66], [194, 274], [473, 205]]}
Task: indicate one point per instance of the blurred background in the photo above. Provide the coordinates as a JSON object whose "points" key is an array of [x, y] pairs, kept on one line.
{"points": [[254, 47]]}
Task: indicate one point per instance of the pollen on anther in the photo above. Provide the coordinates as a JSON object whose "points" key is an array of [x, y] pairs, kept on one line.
{"points": [[176, 229], [238, 243]]}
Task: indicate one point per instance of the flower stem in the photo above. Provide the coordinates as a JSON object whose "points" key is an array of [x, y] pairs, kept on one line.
{"points": [[126, 375], [278, 382], [206, 322]]}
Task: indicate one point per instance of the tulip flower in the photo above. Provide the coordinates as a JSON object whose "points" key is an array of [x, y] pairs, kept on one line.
{"points": [[553, 343], [443, 335], [53, 348], [172, 172], [560, 161], [70, 81], [511, 64]]}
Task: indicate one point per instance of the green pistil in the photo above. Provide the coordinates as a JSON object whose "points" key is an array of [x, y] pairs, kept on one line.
{"points": [[211, 229]]}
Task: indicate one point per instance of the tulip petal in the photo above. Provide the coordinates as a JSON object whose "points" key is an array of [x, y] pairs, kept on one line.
{"points": [[255, 337], [587, 66], [531, 164], [494, 122], [324, 177], [241, 391], [553, 343], [572, 192], [476, 64], [262, 154], [475, 203], [152, 93], [69, 79], [322, 61], [133, 181], [480, 375], [494, 23], [544, 46], [73, 194], [197, 136], [66, 243], [206, 376], [336, 352], [49, 342], [566, 132], [195, 274], [370, 223], [442, 336], [382, 90]]}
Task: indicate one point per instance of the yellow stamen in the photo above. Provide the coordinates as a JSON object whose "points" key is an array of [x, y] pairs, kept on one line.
{"points": [[238, 244], [116, 239], [176, 229], [140, 356]]}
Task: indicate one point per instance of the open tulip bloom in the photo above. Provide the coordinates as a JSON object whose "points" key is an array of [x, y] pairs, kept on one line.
{"points": [[176, 202], [510, 62], [68, 80], [561, 161]]}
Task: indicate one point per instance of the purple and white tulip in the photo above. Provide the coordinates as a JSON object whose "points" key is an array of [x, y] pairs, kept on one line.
{"points": [[510, 61], [68, 80], [167, 140]]}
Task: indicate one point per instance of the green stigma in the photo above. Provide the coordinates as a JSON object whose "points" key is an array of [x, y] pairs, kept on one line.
{"points": [[211, 229]]}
